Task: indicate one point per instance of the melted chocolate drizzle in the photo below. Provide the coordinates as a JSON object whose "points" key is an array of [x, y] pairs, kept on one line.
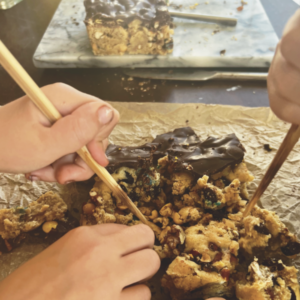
{"points": [[148, 11], [185, 149]]}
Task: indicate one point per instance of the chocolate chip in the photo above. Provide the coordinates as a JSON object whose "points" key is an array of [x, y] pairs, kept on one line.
{"points": [[293, 295], [195, 253], [273, 264], [292, 248], [169, 45], [218, 214], [129, 179], [209, 195], [274, 279], [214, 247], [261, 228], [226, 181], [123, 187], [208, 267]]}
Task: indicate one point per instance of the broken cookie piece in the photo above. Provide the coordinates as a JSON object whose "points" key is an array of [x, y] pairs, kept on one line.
{"points": [[281, 237], [271, 280], [48, 207], [129, 26], [254, 234], [20, 224]]}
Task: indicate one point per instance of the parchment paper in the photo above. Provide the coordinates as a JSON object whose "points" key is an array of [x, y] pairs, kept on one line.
{"points": [[141, 122]]}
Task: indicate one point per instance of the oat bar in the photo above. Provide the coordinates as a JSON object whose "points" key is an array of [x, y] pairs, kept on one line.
{"points": [[129, 26]]}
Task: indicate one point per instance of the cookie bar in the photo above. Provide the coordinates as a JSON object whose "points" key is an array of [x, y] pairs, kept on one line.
{"points": [[270, 280], [49, 210], [129, 26], [194, 194], [209, 257]]}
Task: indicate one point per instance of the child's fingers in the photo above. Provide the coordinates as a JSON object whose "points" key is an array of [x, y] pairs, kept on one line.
{"points": [[97, 150], [73, 172], [108, 229], [136, 292], [285, 78], [139, 266], [134, 238], [291, 41], [71, 167], [44, 174], [66, 99], [74, 131], [65, 170]]}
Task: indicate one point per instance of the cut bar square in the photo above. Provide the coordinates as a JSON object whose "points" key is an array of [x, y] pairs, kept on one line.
{"points": [[129, 26]]}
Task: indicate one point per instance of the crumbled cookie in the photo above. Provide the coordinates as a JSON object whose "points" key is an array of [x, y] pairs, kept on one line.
{"points": [[193, 194], [214, 243], [48, 207], [239, 171], [44, 220], [211, 197], [181, 182], [281, 236], [271, 281], [254, 234], [185, 276]]}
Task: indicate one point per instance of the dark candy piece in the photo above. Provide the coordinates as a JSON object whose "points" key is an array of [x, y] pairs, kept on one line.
{"points": [[293, 297], [267, 147], [273, 264], [7, 245], [261, 228], [213, 247], [291, 249], [148, 11], [183, 147], [218, 215], [209, 195], [208, 267]]}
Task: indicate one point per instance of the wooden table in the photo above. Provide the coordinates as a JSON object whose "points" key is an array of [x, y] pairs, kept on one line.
{"points": [[22, 27]]}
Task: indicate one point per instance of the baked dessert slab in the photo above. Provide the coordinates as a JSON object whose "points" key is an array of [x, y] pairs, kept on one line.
{"points": [[129, 26], [194, 193]]}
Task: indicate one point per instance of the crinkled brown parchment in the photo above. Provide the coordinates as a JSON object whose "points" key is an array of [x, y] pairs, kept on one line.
{"points": [[141, 122]]}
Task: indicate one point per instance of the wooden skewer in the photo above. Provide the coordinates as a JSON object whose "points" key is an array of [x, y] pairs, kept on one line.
{"points": [[16, 71], [227, 21], [283, 152]]}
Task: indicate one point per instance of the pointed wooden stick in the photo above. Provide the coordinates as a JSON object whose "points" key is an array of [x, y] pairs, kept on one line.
{"points": [[16, 71], [283, 152]]}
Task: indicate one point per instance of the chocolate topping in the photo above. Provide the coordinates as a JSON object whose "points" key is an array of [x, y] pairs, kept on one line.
{"points": [[185, 149], [148, 11]]}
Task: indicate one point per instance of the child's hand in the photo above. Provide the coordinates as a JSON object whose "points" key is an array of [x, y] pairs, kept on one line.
{"points": [[29, 144], [97, 262], [284, 74]]}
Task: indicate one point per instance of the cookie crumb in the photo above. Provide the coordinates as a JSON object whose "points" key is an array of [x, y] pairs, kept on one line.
{"points": [[267, 147]]}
